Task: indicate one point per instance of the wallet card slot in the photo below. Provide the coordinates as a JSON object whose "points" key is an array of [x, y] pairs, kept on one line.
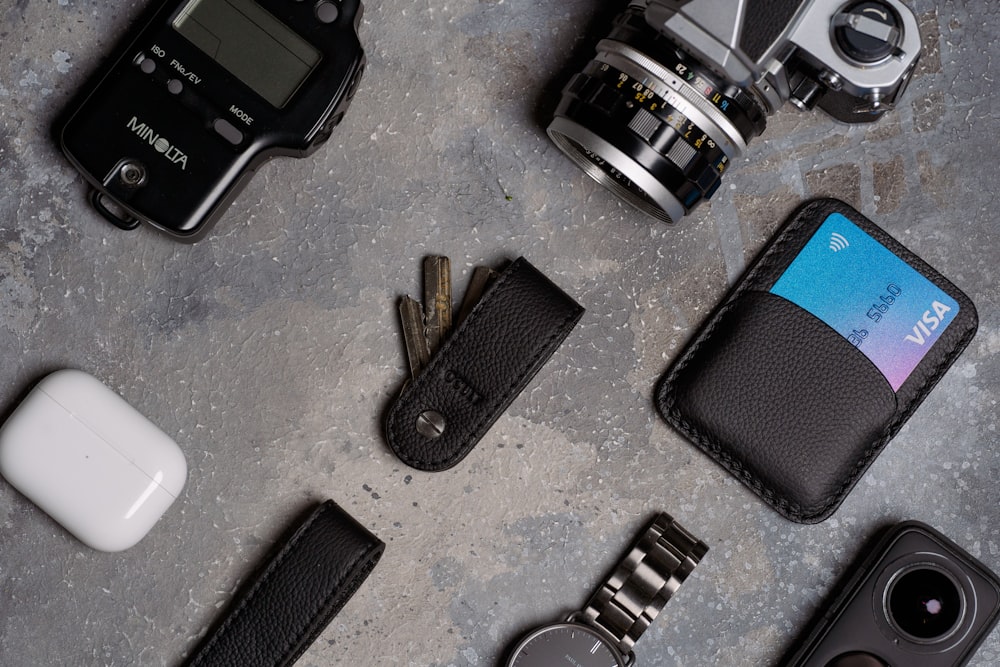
{"points": [[782, 401]]}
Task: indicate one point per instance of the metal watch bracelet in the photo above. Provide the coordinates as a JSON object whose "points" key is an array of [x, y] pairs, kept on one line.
{"points": [[655, 567]]}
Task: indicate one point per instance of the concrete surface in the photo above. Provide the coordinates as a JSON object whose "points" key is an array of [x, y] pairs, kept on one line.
{"points": [[271, 349]]}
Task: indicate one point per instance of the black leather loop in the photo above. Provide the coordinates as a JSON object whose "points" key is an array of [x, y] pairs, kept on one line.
{"points": [[296, 594], [517, 325]]}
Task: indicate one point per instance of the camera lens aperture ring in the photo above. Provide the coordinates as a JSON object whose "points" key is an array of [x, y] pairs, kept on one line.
{"points": [[688, 83], [666, 94], [657, 121], [736, 103], [682, 143]]}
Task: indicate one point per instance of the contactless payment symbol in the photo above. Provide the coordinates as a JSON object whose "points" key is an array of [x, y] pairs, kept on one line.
{"points": [[883, 306], [838, 242]]}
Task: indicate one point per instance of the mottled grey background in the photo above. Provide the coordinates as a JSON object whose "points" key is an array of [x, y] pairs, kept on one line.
{"points": [[270, 350]]}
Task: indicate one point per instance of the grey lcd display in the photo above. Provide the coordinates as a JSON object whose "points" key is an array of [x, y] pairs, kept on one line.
{"points": [[251, 44]]}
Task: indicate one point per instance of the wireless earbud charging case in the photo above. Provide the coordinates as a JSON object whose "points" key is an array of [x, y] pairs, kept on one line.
{"points": [[90, 460]]}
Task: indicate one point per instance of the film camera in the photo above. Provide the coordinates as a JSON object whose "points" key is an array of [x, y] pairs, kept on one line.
{"points": [[679, 87]]}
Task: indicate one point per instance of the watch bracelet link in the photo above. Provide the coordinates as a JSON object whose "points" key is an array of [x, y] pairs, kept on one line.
{"points": [[655, 567]]}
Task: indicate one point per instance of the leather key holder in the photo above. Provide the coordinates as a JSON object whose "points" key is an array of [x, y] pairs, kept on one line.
{"points": [[294, 596], [519, 322], [816, 359]]}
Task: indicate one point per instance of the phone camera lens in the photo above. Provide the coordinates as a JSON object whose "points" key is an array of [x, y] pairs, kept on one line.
{"points": [[925, 603]]}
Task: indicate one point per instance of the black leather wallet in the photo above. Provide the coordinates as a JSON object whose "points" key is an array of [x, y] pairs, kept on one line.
{"points": [[816, 359], [516, 326], [313, 572]]}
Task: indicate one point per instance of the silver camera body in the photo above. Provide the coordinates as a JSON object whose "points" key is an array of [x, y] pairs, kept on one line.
{"points": [[679, 87]]}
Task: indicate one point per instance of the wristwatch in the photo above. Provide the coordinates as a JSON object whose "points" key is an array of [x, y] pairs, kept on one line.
{"points": [[604, 632]]}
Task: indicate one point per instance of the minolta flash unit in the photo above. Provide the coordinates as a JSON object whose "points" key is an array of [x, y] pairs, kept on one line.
{"points": [[179, 121]]}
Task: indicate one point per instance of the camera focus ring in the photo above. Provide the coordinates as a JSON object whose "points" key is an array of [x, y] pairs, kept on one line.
{"points": [[634, 143]]}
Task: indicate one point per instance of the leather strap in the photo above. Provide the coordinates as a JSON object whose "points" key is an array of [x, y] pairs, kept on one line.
{"points": [[518, 324], [655, 567], [296, 594]]}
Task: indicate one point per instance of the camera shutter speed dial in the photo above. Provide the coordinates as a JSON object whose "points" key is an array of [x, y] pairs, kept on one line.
{"points": [[867, 32]]}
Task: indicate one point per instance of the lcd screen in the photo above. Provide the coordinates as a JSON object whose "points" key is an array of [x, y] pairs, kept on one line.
{"points": [[251, 44]]}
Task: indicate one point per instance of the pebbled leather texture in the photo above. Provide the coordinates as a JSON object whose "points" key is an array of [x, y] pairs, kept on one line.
{"points": [[780, 399], [289, 602], [514, 329]]}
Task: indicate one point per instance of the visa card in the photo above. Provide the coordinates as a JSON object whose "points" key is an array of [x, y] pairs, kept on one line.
{"points": [[884, 307]]}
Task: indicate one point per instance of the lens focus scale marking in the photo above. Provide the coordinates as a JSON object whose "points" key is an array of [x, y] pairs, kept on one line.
{"points": [[665, 109], [731, 142]]}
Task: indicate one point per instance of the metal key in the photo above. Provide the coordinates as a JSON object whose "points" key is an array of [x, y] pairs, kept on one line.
{"points": [[481, 278], [437, 301], [426, 327], [412, 316]]}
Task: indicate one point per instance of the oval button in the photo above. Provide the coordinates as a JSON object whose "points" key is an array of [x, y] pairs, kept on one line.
{"points": [[227, 131]]}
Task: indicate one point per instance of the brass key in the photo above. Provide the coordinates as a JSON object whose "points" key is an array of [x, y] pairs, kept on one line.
{"points": [[426, 327], [437, 301], [412, 317]]}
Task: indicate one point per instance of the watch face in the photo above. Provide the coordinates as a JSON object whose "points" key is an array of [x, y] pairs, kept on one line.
{"points": [[565, 645]]}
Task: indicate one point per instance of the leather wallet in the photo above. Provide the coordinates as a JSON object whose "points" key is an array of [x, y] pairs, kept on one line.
{"points": [[816, 359], [313, 572], [516, 326]]}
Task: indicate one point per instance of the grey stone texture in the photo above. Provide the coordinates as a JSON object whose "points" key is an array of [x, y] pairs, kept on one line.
{"points": [[271, 349]]}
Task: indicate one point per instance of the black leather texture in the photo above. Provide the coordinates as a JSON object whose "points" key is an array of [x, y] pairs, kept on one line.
{"points": [[784, 402], [515, 328], [763, 23], [296, 594]]}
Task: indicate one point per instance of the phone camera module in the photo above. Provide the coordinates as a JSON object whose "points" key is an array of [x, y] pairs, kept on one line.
{"points": [[925, 603]]}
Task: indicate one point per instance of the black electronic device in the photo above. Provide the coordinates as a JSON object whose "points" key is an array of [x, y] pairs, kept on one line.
{"points": [[206, 91], [917, 598]]}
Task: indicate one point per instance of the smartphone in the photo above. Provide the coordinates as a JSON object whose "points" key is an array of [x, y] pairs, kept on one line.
{"points": [[916, 598]]}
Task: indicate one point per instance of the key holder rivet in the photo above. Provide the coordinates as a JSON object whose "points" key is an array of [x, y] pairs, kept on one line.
{"points": [[430, 424]]}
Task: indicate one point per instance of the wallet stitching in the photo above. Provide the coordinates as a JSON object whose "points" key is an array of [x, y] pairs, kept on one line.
{"points": [[707, 444], [306, 527], [466, 445], [893, 426], [790, 508]]}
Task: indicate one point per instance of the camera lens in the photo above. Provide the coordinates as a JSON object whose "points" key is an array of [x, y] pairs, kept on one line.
{"points": [[925, 602], [651, 123]]}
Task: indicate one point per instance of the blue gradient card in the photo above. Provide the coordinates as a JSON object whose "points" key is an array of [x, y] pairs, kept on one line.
{"points": [[878, 302]]}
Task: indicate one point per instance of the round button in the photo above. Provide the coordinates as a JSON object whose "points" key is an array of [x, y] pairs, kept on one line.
{"points": [[132, 174], [147, 66], [175, 86], [327, 12]]}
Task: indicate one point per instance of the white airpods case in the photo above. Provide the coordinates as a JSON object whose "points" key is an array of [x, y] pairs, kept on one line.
{"points": [[90, 460]]}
